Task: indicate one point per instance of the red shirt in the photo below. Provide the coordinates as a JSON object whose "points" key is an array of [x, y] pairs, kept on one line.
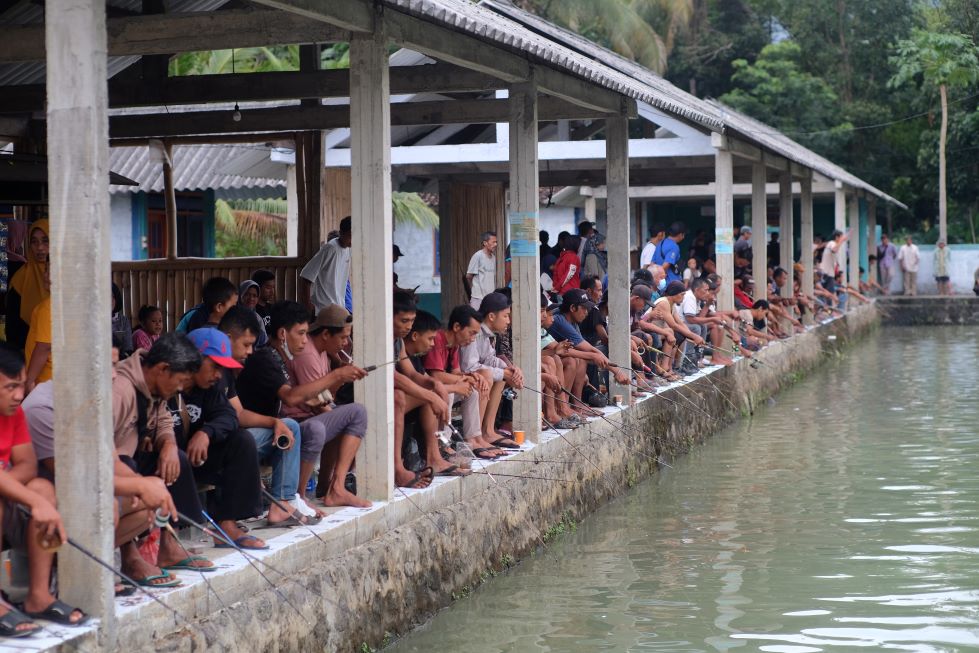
{"points": [[13, 432], [442, 357]]}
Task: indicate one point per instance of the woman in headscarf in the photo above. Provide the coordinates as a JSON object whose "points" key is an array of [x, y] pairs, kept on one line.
{"points": [[248, 294], [27, 286]]}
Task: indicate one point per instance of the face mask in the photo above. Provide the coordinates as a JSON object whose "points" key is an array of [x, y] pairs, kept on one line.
{"points": [[661, 286]]}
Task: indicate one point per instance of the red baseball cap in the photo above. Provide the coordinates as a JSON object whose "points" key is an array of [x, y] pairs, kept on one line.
{"points": [[215, 345]]}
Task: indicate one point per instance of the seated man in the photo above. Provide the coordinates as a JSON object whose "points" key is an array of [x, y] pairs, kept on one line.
{"points": [[442, 364], [558, 411], [145, 440], [137, 497], [222, 453], [699, 318], [336, 431], [21, 486], [575, 307], [415, 391], [266, 385], [754, 326], [218, 295], [664, 312], [480, 357], [242, 328]]}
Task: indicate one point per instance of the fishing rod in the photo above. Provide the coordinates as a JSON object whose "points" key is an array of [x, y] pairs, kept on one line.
{"points": [[116, 572], [419, 509], [371, 368], [571, 444], [677, 388], [286, 510], [240, 550]]}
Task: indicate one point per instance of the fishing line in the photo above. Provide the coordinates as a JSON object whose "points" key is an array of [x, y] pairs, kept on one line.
{"points": [[286, 510]]}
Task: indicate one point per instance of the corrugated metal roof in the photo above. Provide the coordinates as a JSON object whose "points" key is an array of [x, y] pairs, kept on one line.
{"points": [[750, 129], [196, 167]]}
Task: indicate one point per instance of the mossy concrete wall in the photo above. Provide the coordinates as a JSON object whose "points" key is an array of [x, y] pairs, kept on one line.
{"points": [[400, 564], [933, 310]]}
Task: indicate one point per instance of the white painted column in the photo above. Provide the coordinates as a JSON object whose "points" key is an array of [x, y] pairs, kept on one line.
{"points": [[839, 222], [619, 246], [854, 249], [78, 178], [786, 230], [759, 228], [871, 237], [525, 264], [724, 225], [371, 265], [805, 226], [591, 209], [292, 213]]}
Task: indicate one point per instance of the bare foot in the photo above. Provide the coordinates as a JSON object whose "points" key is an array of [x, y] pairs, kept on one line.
{"points": [[338, 496], [419, 480], [138, 569]]}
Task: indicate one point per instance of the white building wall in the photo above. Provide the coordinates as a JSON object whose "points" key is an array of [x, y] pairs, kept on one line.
{"points": [[555, 219], [417, 266], [121, 212], [965, 260]]}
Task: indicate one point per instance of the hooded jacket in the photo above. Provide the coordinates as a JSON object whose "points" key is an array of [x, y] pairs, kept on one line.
{"points": [[128, 382]]}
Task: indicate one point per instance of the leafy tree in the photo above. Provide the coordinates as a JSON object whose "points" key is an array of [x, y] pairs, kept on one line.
{"points": [[935, 60], [274, 58], [775, 91]]}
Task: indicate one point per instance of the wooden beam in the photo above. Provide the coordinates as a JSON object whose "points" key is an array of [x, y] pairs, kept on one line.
{"points": [[323, 117], [259, 87], [185, 32], [524, 219], [619, 247], [78, 175]]}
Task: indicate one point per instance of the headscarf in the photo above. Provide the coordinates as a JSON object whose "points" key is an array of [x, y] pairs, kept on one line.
{"points": [[16, 236], [29, 280], [244, 286]]}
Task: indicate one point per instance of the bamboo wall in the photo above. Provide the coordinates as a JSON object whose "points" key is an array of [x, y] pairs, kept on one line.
{"points": [[175, 285], [336, 199]]}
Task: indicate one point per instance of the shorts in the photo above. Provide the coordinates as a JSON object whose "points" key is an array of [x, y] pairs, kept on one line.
{"points": [[14, 526], [941, 279], [829, 283]]}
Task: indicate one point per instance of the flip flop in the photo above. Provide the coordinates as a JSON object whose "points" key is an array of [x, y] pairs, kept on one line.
{"points": [[60, 613], [187, 564], [14, 618], [480, 452], [453, 470], [502, 443], [426, 473], [288, 522], [148, 581], [241, 541]]}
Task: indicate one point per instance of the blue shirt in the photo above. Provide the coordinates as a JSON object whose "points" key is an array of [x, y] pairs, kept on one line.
{"points": [[668, 252], [562, 329]]}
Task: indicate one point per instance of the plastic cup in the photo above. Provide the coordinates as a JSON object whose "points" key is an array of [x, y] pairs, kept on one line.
{"points": [[518, 437], [617, 400]]}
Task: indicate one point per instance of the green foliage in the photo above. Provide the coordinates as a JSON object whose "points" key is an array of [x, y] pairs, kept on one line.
{"points": [[250, 227], [255, 60], [933, 59], [411, 209], [567, 524], [776, 91]]}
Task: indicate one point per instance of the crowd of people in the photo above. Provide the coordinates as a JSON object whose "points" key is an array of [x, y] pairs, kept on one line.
{"points": [[251, 396]]}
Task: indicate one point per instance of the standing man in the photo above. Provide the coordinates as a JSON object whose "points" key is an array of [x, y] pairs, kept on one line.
{"points": [[942, 265], [668, 252], [829, 262], [481, 273], [656, 235], [329, 270], [909, 258], [742, 246], [886, 255]]}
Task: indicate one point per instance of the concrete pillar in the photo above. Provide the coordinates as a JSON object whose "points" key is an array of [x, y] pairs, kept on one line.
{"points": [[591, 208], [525, 263], [724, 216], [786, 231], [839, 222], [871, 237], [371, 265], [292, 213], [759, 227], [78, 178], [170, 201], [619, 246], [805, 226], [853, 277]]}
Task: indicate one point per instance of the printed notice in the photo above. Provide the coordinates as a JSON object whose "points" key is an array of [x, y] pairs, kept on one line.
{"points": [[524, 236], [723, 240]]}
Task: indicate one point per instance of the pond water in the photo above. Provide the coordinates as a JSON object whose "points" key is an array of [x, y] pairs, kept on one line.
{"points": [[842, 516]]}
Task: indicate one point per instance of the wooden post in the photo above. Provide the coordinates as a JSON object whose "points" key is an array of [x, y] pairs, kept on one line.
{"points": [[786, 232], [371, 269], [78, 178], [618, 246], [170, 201], [855, 244], [871, 237], [525, 263], [805, 225], [759, 229], [724, 217], [292, 213], [839, 222]]}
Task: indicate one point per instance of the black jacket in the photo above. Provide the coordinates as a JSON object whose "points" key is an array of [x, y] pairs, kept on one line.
{"points": [[206, 410]]}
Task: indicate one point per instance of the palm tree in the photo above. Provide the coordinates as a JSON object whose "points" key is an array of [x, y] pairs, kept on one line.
{"points": [[937, 60]]}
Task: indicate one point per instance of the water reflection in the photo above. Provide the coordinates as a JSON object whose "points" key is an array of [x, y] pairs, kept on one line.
{"points": [[841, 518]]}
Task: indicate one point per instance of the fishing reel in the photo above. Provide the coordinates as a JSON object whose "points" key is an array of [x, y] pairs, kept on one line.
{"points": [[509, 394]]}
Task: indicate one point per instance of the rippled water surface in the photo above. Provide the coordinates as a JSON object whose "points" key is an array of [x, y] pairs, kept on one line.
{"points": [[841, 518]]}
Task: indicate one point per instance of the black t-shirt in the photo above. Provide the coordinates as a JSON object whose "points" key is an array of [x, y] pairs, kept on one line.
{"points": [[264, 314], [589, 326], [761, 324], [258, 384]]}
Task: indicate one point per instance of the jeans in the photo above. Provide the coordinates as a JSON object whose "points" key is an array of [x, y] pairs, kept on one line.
{"points": [[284, 462]]}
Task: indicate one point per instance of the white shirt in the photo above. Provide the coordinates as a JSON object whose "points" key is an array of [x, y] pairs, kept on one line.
{"points": [[827, 264], [690, 305], [909, 257], [483, 269], [646, 256], [328, 272]]}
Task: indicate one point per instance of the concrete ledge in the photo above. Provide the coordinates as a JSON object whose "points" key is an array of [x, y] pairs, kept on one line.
{"points": [[384, 570], [929, 310]]}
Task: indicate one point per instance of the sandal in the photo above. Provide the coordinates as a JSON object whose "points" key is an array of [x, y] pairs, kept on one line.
{"points": [[453, 470], [242, 542], [147, 581], [187, 564], [424, 475], [480, 452], [60, 613], [14, 618], [505, 443], [288, 522]]}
